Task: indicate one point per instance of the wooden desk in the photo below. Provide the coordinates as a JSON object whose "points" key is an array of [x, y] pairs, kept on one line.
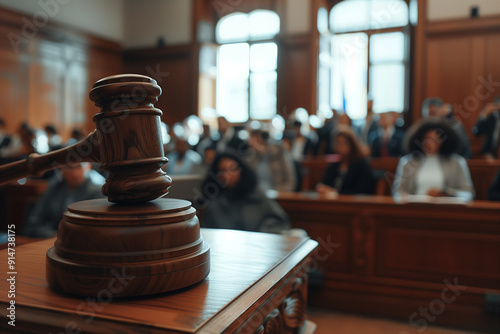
{"points": [[256, 280], [387, 259]]}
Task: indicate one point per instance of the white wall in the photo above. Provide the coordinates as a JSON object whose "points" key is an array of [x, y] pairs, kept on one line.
{"points": [[457, 9], [298, 16], [97, 17], [139, 23], [146, 20]]}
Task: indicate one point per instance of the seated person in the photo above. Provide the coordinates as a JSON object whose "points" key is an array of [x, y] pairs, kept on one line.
{"points": [[494, 190], [352, 174], [433, 107], [207, 159], [231, 199], [302, 145], [182, 160], [71, 184], [25, 143], [449, 117], [5, 140], [432, 167], [370, 125], [488, 125], [324, 134], [229, 138], [387, 140], [54, 140], [272, 163]]}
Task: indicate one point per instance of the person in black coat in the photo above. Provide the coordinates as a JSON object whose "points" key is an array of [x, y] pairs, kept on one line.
{"points": [[229, 139], [231, 199], [352, 174], [371, 124], [387, 141], [488, 125], [5, 140], [494, 190]]}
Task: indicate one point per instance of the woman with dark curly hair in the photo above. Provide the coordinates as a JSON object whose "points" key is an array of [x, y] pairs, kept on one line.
{"points": [[352, 174], [432, 167], [231, 199]]}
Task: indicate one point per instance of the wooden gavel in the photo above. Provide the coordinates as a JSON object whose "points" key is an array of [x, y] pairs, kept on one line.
{"points": [[127, 142]]}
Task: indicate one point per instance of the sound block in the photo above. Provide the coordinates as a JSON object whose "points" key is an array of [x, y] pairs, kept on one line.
{"points": [[112, 250]]}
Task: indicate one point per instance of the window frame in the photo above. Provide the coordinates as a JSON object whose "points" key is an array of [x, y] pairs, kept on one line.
{"points": [[252, 41], [406, 30]]}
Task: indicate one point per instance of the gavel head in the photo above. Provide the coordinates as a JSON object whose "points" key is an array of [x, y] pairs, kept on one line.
{"points": [[128, 135]]}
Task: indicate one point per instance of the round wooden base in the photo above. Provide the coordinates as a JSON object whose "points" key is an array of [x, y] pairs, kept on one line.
{"points": [[110, 250]]}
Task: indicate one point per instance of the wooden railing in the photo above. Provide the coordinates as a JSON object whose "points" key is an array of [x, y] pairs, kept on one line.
{"points": [[386, 259]]}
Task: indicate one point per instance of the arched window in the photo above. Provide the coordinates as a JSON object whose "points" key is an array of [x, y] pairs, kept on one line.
{"points": [[246, 65], [364, 53]]}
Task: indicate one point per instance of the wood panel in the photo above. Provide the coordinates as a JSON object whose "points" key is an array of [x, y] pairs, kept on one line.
{"points": [[173, 69], [402, 256], [450, 69], [13, 83], [295, 75], [492, 69], [457, 62], [426, 251], [47, 75]]}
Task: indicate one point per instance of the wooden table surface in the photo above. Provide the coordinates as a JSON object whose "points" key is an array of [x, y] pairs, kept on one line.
{"points": [[240, 261]]}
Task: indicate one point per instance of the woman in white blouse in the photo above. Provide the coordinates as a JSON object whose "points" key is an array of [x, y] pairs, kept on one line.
{"points": [[431, 166]]}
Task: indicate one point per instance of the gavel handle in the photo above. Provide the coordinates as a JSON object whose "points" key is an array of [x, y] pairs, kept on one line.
{"points": [[36, 164]]}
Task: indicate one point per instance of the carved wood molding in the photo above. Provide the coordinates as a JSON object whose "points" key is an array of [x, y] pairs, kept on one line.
{"points": [[290, 314]]}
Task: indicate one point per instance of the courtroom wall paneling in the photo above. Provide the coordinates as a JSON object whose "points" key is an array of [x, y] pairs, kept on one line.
{"points": [[172, 68], [460, 66], [45, 76], [13, 87], [295, 76], [492, 69]]}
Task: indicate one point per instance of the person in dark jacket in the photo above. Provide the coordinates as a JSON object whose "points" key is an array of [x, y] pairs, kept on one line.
{"points": [[352, 174], [231, 199], [387, 141], [70, 184], [494, 190], [488, 125], [228, 138]]}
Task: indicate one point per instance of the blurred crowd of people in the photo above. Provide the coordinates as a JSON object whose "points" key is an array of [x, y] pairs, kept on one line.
{"points": [[238, 165], [65, 185], [28, 139]]}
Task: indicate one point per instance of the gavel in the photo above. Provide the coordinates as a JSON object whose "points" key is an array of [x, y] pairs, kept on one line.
{"points": [[127, 142], [157, 241]]}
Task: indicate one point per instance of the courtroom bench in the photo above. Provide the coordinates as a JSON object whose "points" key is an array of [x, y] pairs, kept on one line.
{"points": [[380, 258], [482, 173]]}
